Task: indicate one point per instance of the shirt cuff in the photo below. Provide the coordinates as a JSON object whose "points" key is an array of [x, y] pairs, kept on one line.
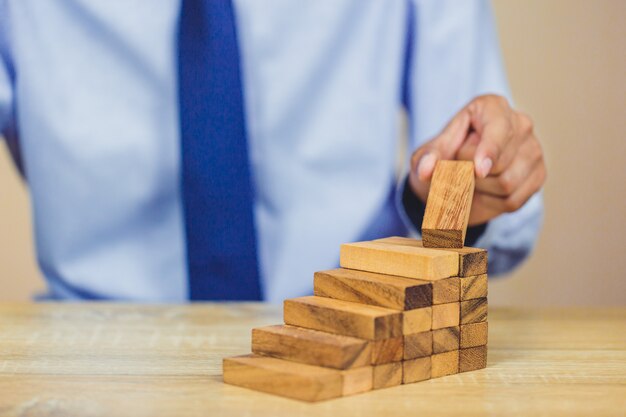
{"points": [[414, 209]]}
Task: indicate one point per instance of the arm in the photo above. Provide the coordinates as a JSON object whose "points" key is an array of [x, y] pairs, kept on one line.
{"points": [[457, 70], [7, 115], [6, 88]]}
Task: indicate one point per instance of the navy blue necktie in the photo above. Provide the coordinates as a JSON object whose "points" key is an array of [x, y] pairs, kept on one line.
{"points": [[216, 179]]}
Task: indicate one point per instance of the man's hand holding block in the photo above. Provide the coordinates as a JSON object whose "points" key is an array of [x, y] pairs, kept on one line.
{"points": [[448, 205]]}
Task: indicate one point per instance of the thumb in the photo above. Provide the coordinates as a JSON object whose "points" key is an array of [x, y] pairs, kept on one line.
{"points": [[443, 146]]}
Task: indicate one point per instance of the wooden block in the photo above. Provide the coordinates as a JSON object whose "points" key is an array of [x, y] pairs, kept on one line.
{"points": [[445, 364], [445, 315], [415, 370], [400, 240], [387, 375], [446, 339], [375, 289], [474, 334], [473, 358], [387, 350], [293, 379], [472, 261], [357, 380], [313, 347], [418, 345], [473, 287], [343, 317], [447, 290], [405, 261], [473, 311], [448, 204], [418, 320]]}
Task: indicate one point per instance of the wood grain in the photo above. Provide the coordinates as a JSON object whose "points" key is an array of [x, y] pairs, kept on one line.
{"points": [[446, 339], [473, 311], [448, 204], [357, 380], [405, 261], [375, 289], [418, 345], [294, 380], [472, 261], [445, 364], [418, 320], [445, 315], [473, 287], [416, 370], [343, 317], [387, 350], [313, 347], [447, 290], [387, 375], [114, 359], [473, 358], [474, 334]]}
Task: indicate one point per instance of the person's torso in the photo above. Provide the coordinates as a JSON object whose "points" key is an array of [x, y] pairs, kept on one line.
{"points": [[97, 108]]}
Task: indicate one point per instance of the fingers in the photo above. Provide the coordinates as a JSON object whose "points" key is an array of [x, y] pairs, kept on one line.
{"points": [[444, 146], [452, 136], [487, 206], [481, 211], [467, 151], [507, 156], [494, 139], [426, 164], [504, 184], [500, 136], [533, 184]]}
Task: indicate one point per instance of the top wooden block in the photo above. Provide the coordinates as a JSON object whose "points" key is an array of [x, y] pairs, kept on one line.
{"points": [[472, 261], [448, 205], [400, 260]]}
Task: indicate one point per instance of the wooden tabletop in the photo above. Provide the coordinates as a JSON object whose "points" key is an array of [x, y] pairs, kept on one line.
{"points": [[135, 360]]}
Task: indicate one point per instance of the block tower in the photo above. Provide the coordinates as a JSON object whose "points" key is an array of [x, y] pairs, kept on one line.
{"points": [[397, 311]]}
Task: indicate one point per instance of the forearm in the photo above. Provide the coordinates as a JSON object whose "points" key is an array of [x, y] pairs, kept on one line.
{"points": [[6, 84]]}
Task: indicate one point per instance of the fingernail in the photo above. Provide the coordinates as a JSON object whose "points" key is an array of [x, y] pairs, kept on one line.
{"points": [[426, 165], [485, 167]]}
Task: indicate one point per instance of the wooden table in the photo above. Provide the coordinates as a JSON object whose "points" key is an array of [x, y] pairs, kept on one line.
{"points": [[136, 360]]}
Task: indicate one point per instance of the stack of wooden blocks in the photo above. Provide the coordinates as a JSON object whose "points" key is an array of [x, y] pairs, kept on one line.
{"points": [[397, 311]]}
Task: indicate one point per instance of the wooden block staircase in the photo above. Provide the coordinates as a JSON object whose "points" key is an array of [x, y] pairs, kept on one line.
{"points": [[398, 311], [365, 329]]}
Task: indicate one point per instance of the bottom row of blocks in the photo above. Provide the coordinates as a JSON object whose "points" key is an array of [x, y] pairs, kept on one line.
{"points": [[314, 383]]}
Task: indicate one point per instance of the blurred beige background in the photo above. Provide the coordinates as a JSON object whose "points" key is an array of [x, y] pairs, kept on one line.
{"points": [[566, 61]]}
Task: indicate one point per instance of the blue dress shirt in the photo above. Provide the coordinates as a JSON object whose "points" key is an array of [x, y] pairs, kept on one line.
{"points": [[89, 87]]}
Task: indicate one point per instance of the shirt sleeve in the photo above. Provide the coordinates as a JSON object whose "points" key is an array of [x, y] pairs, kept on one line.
{"points": [[6, 97], [6, 85], [456, 57]]}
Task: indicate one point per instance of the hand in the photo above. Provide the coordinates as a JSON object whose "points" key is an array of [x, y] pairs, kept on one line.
{"points": [[507, 156]]}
